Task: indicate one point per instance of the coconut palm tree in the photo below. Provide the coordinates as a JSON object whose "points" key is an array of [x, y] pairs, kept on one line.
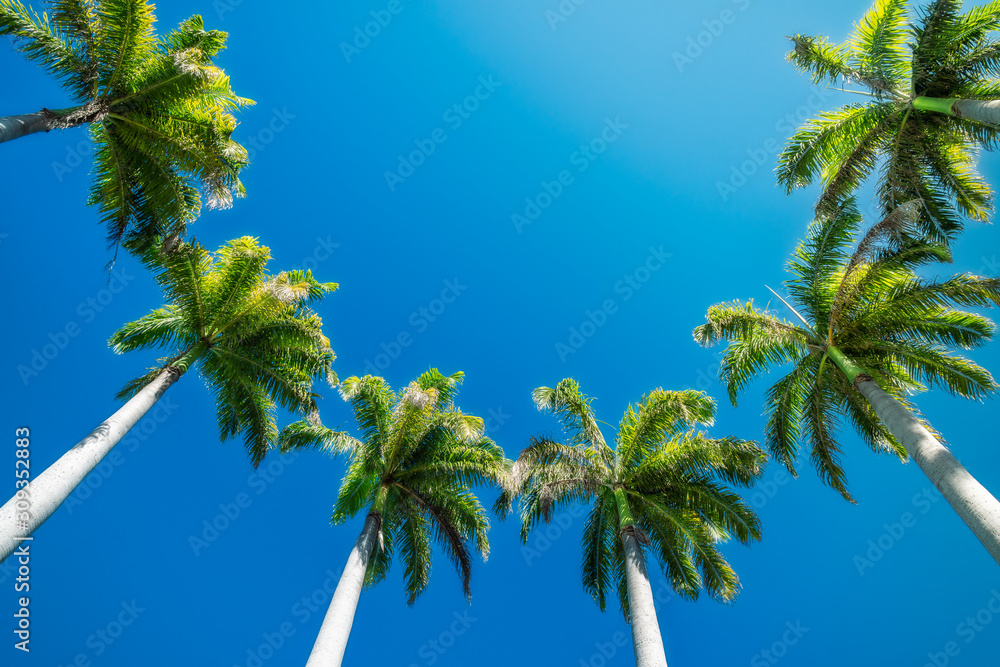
{"points": [[662, 487], [412, 470], [870, 331], [160, 112], [934, 101], [254, 338]]}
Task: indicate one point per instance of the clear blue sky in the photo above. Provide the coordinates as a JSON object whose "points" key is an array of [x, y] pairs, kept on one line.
{"points": [[671, 97]]}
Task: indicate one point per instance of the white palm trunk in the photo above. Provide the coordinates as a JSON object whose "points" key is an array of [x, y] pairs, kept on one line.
{"points": [[328, 651], [984, 111], [47, 491], [974, 504], [645, 630], [646, 638], [15, 127]]}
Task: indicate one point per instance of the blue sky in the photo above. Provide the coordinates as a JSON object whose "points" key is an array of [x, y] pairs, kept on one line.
{"points": [[628, 126]]}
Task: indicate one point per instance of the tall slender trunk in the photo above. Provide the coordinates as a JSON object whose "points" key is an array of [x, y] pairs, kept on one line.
{"points": [[328, 651], [46, 492], [974, 504], [645, 630], [985, 111], [15, 127], [50, 489]]}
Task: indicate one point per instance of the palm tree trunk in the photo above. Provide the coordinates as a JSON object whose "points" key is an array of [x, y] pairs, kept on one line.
{"points": [[51, 488], [15, 127], [984, 111], [646, 638], [974, 504], [328, 651]]}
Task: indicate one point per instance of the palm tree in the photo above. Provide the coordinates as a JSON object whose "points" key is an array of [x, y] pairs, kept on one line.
{"points": [[660, 487], [871, 332], [257, 343], [412, 470], [934, 102], [160, 112]]}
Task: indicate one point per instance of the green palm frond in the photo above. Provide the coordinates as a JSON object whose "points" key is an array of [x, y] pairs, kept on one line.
{"points": [[863, 295], [372, 402], [160, 111], [415, 548], [310, 434], [823, 61], [664, 484], [163, 327], [256, 348], [43, 41], [599, 537], [659, 416], [899, 52], [393, 524], [573, 409], [415, 463], [878, 47]]}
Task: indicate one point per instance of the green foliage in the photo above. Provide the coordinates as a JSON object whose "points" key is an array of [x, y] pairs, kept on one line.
{"points": [[671, 477], [424, 456], [925, 156], [259, 343], [160, 112], [863, 295]]}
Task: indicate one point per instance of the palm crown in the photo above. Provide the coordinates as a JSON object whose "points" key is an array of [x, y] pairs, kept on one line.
{"points": [[925, 155], [414, 466], [662, 483], [864, 299], [256, 340], [160, 112]]}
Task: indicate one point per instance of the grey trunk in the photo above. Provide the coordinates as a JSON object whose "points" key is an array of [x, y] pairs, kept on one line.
{"points": [[974, 504], [46, 492], [15, 127], [985, 111], [328, 651], [645, 630]]}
